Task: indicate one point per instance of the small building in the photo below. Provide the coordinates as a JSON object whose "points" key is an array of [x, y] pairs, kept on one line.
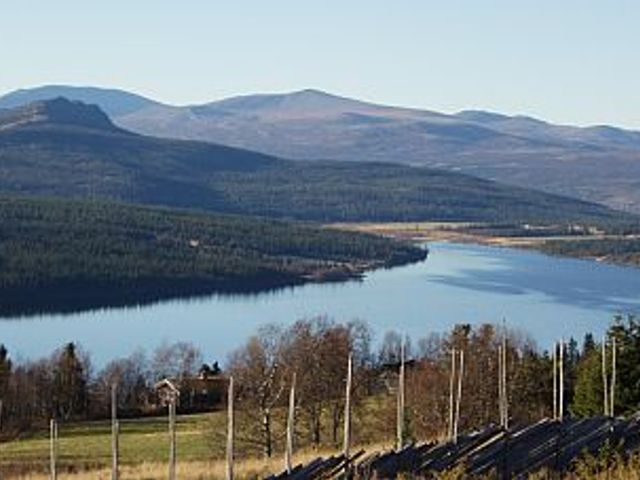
{"points": [[167, 392], [193, 394]]}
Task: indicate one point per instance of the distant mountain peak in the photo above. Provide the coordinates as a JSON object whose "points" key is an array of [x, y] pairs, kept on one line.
{"points": [[58, 111], [303, 104], [113, 102]]}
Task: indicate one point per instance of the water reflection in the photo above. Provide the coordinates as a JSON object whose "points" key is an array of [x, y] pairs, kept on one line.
{"points": [[568, 281], [548, 297]]}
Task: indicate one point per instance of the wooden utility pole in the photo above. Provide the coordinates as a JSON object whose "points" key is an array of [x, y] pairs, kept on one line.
{"points": [[288, 454], [613, 377], [501, 414], [502, 386], [172, 438], [230, 430], [555, 381], [605, 386], [505, 395], [53, 448], [452, 377], [456, 423], [561, 381], [401, 400], [115, 430], [347, 412]]}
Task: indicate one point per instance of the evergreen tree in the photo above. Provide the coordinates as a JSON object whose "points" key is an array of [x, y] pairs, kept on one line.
{"points": [[70, 383], [5, 370], [626, 331], [588, 394]]}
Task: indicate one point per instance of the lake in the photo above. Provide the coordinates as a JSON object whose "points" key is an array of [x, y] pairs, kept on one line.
{"points": [[548, 297]]}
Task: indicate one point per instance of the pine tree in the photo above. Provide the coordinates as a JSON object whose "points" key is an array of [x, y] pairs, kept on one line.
{"points": [[588, 394], [70, 383]]}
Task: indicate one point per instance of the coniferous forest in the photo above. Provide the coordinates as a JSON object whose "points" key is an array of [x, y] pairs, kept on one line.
{"points": [[65, 255]]}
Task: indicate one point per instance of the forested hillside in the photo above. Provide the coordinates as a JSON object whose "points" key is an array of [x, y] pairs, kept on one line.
{"points": [[70, 254], [598, 163], [616, 250], [46, 149]]}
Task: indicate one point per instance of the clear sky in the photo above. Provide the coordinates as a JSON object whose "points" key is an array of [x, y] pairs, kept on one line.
{"points": [[571, 61]]}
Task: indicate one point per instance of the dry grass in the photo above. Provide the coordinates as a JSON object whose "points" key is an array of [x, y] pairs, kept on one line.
{"points": [[244, 469]]}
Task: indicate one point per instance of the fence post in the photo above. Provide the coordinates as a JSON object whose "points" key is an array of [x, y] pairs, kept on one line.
{"points": [[555, 380], [505, 391], [451, 392], [347, 413], [459, 398], [115, 431], [561, 381], [230, 431], [605, 386], [561, 386], [401, 398], [500, 401], [53, 448], [613, 376], [288, 454], [172, 438]]}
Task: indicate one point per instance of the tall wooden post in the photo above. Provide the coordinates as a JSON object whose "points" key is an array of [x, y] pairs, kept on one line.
{"points": [[456, 423], [230, 430], [172, 439], [452, 377], [401, 400], [115, 430], [53, 449], [561, 383], [500, 406], [605, 386], [555, 381], [1, 413], [505, 394], [347, 411], [288, 454], [613, 377]]}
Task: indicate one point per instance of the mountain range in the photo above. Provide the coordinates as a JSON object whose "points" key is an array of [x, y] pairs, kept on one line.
{"points": [[600, 163], [67, 148]]}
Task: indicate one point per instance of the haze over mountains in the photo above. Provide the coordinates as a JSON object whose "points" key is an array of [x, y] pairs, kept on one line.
{"points": [[67, 148], [599, 163]]}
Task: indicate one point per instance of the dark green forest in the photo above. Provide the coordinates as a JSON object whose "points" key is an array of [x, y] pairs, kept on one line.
{"points": [[70, 254]]}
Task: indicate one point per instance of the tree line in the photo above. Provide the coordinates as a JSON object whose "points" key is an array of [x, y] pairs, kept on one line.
{"points": [[66, 386], [313, 353]]}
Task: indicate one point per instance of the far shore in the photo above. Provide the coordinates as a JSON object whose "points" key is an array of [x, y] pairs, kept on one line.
{"points": [[477, 233]]}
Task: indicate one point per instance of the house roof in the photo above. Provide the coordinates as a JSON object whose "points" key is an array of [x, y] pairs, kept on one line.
{"points": [[166, 383]]}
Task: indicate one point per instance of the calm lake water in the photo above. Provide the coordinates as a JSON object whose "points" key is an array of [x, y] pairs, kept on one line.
{"points": [[547, 297]]}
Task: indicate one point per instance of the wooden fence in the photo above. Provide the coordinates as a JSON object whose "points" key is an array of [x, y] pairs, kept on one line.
{"points": [[504, 453]]}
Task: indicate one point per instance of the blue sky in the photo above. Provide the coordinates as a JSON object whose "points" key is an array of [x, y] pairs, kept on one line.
{"points": [[570, 61]]}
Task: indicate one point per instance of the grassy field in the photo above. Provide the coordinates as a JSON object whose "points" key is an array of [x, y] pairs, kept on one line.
{"points": [[85, 448], [88, 445]]}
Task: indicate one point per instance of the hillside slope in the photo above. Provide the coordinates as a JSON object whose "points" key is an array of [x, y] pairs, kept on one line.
{"points": [[62, 148], [600, 163], [64, 255]]}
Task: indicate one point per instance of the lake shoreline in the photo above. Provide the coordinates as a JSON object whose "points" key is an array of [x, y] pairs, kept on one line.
{"points": [[472, 234], [458, 283], [81, 296]]}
